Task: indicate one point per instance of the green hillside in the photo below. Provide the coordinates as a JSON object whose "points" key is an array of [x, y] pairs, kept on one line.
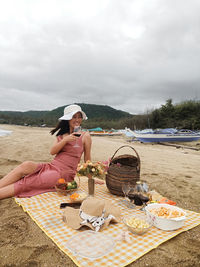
{"points": [[94, 111], [96, 114]]}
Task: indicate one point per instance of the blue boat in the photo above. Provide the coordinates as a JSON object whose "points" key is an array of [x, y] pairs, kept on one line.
{"points": [[165, 135]]}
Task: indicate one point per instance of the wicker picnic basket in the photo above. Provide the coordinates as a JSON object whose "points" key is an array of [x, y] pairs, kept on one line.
{"points": [[122, 169]]}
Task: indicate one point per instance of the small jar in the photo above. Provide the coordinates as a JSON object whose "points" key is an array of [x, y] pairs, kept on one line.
{"points": [[139, 187]]}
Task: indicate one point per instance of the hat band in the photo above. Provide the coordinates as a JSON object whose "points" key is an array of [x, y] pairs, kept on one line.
{"points": [[96, 222]]}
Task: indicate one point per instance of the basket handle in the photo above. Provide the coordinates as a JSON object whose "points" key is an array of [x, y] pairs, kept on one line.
{"points": [[129, 147]]}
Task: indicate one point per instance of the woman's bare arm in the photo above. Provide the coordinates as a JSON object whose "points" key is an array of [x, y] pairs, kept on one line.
{"points": [[87, 141]]}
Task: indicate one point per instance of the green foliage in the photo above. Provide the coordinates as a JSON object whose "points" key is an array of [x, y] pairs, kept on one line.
{"points": [[182, 115]]}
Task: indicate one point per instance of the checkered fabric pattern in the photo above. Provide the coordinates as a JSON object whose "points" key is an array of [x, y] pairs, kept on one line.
{"points": [[45, 210]]}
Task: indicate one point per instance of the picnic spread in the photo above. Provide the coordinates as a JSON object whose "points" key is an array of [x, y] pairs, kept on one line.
{"points": [[45, 210], [112, 224]]}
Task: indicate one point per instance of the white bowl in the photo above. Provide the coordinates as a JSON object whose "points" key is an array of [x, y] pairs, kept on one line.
{"points": [[166, 224]]}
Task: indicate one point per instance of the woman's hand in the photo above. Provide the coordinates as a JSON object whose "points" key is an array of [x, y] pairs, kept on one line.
{"points": [[58, 145], [98, 181], [69, 138]]}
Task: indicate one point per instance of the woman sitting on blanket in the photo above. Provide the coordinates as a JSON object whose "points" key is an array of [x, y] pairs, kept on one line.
{"points": [[30, 178]]}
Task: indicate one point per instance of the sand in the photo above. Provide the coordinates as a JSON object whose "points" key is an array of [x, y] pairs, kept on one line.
{"points": [[172, 172]]}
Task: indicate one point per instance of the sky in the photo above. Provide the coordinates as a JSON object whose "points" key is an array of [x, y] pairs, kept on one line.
{"points": [[132, 55]]}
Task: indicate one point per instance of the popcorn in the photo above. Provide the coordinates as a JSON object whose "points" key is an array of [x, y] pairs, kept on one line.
{"points": [[137, 223]]}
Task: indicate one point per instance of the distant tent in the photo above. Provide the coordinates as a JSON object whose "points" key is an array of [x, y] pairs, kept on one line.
{"points": [[98, 129]]}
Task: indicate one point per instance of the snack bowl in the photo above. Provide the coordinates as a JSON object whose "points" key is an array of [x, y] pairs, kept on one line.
{"points": [[165, 217], [137, 224], [77, 197], [67, 187]]}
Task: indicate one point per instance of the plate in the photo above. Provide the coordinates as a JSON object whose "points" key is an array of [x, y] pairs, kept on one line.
{"points": [[90, 244]]}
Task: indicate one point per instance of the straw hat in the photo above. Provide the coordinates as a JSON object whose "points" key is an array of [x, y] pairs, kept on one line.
{"points": [[94, 213], [70, 110]]}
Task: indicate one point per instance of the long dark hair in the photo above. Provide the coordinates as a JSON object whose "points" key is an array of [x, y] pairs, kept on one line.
{"points": [[62, 126]]}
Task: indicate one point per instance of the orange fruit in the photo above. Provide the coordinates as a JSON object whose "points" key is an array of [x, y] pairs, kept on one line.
{"points": [[61, 181], [74, 196]]}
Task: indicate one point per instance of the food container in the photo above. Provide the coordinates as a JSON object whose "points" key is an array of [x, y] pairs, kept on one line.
{"points": [[62, 188], [77, 197], [137, 224], [165, 223]]}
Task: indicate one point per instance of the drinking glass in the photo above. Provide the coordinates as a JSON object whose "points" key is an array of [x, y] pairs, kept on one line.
{"points": [[77, 133], [126, 187], [139, 195]]}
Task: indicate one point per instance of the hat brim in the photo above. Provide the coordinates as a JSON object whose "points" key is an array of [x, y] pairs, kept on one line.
{"points": [[72, 217], [69, 116]]}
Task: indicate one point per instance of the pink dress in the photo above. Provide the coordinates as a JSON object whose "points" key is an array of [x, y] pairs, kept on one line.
{"points": [[44, 178]]}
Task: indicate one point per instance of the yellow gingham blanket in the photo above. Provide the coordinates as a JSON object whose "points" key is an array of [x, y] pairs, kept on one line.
{"points": [[45, 210]]}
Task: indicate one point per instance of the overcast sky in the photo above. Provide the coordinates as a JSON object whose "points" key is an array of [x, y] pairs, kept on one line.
{"points": [[132, 55]]}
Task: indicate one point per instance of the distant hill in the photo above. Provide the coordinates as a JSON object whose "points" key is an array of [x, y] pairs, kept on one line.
{"points": [[95, 113]]}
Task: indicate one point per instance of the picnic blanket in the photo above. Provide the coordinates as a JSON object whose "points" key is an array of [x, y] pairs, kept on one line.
{"points": [[45, 210]]}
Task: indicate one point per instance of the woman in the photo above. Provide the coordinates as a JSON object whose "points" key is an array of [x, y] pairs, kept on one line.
{"points": [[30, 178]]}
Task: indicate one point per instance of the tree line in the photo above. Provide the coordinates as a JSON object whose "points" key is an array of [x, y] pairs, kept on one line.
{"points": [[182, 115]]}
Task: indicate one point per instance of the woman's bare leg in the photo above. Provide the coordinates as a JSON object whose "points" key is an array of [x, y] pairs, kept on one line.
{"points": [[20, 171], [7, 191]]}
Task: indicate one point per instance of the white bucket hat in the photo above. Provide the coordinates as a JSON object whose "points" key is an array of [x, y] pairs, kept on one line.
{"points": [[70, 110]]}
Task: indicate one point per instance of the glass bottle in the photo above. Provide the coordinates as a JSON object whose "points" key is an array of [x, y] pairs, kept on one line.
{"points": [[139, 187], [91, 185], [140, 195]]}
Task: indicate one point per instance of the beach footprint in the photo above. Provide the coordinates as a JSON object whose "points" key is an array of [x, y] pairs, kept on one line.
{"points": [[4, 161], [13, 230]]}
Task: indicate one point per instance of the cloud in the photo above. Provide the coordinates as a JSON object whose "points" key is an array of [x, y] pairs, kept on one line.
{"points": [[131, 55]]}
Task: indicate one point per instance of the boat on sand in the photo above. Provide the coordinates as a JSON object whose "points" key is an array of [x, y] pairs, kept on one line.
{"points": [[162, 136], [100, 132]]}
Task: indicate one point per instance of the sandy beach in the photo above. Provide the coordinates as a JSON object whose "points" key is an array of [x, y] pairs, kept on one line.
{"points": [[172, 172]]}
